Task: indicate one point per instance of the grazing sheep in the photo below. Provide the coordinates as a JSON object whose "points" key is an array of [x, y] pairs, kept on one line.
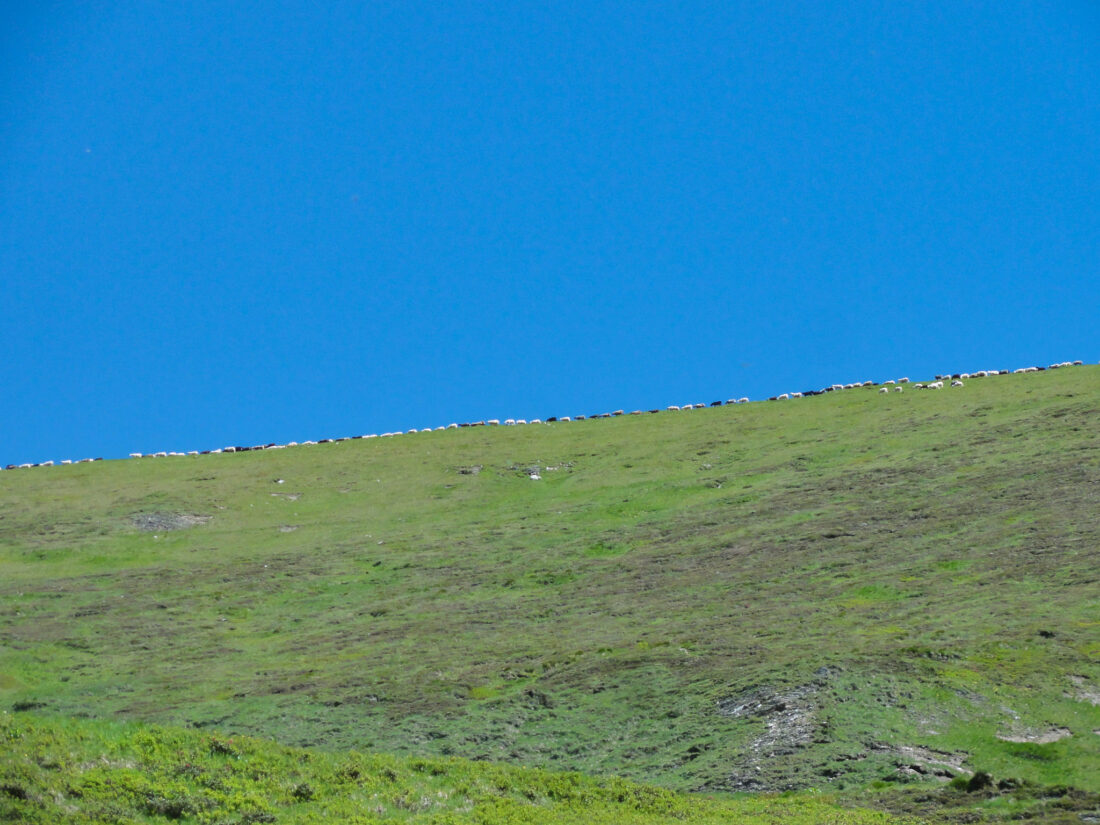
{"points": [[935, 385], [135, 455], [891, 381], [782, 396], [897, 389], [884, 389], [565, 418], [903, 380], [957, 383], [672, 407], [796, 395]]}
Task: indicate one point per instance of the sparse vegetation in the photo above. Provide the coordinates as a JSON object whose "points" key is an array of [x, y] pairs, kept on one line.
{"points": [[867, 594]]}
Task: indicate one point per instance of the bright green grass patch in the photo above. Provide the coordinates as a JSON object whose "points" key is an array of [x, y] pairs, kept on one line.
{"points": [[64, 772]]}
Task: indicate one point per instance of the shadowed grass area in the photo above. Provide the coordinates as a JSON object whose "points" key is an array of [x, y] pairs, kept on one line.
{"points": [[888, 587]]}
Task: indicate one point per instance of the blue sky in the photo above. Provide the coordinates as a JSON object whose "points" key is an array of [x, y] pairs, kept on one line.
{"points": [[235, 223]]}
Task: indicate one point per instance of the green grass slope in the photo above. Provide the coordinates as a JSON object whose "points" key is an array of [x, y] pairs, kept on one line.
{"points": [[65, 773], [823, 592]]}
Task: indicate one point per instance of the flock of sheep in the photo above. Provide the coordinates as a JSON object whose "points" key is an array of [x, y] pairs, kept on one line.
{"points": [[956, 380]]}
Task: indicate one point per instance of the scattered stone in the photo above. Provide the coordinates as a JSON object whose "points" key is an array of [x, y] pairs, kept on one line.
{"points": [[157, 522], [1036, 737], [1085, 691]]}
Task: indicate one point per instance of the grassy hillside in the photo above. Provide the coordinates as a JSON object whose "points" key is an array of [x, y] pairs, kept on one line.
{"points": [[66, 773], [823, 592]]}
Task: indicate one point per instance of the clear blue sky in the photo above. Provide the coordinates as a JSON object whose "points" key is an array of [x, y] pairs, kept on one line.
{"points": [[235, 223]]}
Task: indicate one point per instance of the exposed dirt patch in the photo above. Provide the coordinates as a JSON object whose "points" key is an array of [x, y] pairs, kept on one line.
{"points": [[789, 717], [1038, 737], [161, 522], [1085, 692], [919, 761]]}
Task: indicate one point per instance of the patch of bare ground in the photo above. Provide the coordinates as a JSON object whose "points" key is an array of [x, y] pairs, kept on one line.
{"points": [[918, 761], [1037, 737], [1085, 692], [790, 723], [160, 522]]}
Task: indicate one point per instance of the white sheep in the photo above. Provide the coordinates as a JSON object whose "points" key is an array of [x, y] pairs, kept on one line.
{"points": [[897, 389], [884, 389], [957, 384]]}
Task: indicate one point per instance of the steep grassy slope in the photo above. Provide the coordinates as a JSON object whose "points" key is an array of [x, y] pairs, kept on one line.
{"points": [[820, 592]]}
